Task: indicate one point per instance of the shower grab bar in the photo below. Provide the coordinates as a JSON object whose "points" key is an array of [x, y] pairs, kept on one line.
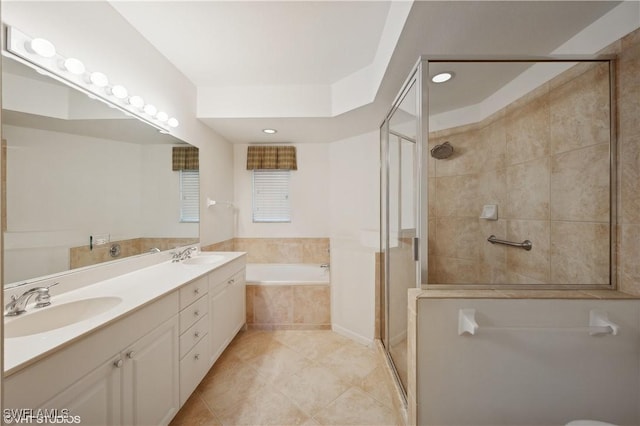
{"points": [[526, 244]]}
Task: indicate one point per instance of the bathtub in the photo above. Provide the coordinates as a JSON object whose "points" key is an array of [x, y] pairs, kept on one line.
{"points": [[286, 274], [288, 296]]}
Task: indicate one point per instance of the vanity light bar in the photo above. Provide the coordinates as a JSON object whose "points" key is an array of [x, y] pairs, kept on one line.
{"points": [[41, 54]]}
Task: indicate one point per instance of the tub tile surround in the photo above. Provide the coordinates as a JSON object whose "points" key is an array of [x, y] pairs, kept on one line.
{"points": [[285, 307], [522, 158]]}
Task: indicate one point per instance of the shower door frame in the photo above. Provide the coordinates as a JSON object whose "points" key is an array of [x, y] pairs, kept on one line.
{"points": [[416, 78]]}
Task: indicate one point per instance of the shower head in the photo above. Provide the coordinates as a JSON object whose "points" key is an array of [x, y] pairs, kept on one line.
{"points": [[442, 151]]}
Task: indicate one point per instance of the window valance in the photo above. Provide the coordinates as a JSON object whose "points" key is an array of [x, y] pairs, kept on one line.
{"points": [[261, 157], [185, 158]]}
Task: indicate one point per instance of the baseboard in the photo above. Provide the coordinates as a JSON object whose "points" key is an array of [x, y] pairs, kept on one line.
{"points": [[351, 335]]}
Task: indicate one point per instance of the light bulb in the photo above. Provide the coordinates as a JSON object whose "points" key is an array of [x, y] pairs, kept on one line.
{"points": [[150, 110], [98, 79], [162, 116], [173, 122], [74, 66], [41, 47], [269, 131], [119, 91], [136, 101]]}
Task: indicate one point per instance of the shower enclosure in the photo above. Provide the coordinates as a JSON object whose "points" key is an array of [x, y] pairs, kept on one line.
{"points": [[502, 177]]}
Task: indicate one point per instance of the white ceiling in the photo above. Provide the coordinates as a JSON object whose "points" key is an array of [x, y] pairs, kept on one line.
{"points": [[319, 71]]}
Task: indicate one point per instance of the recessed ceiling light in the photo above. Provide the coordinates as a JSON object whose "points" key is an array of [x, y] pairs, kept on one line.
{"points": [[269, 131], [442, 77]]}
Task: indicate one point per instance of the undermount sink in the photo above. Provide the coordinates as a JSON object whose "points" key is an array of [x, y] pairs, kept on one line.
{"points": [[203, 259], [57, 316]]}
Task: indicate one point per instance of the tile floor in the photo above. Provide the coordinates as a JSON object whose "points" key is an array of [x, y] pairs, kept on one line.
{"points": [[294, 378]]}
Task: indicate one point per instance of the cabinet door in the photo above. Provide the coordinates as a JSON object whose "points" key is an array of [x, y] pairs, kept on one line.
{"points": [[237, 301], [151, 388], [95, 398], [219, 312]]}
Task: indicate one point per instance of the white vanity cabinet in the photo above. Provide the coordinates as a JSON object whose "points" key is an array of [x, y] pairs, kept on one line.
{"points": [[194, 335], [135, 381], [227, 306]]}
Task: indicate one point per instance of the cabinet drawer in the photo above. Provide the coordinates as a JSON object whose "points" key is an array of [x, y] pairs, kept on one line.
{"points": [[193, 335], [192, 291], [192, 313], [193, 368]]}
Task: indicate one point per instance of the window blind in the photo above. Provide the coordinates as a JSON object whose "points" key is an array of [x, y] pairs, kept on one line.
{"points": [[271, 196], [189, 196]]}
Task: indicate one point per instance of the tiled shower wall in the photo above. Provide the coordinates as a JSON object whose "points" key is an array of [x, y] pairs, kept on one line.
{"points": [[544, 160], [628, 92], [521, 148]]}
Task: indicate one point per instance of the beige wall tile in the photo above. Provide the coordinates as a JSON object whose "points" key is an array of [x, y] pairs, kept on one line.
{"points": [[629, 264], [462, 161], [528, 190], [629, 87], [273, 304], [580, 184], [527, 131], [630, 181], [492, 189], [449, 270], [457, 196], [457, 237], [580, 110], [311, 304], [579, 253], [492, 150], [534, 263]]}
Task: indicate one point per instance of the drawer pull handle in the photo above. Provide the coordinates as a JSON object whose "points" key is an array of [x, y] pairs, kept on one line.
{"points": [[197, 356], [196, 334], [231, 281], [196, 313], [118, 363], [196, 291], [131, 354]]}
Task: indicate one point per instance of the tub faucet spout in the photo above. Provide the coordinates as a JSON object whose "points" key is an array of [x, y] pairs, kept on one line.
{"points": [[325, 266]]}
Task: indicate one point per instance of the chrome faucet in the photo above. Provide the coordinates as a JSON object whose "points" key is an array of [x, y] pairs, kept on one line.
{"points": [[17, 304], [182, 255], [325, 266]]}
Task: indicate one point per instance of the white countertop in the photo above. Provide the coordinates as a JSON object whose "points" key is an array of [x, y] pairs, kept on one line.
{"points": [[136, 289]]}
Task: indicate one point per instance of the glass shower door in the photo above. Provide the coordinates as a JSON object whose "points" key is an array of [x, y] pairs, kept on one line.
{"points": [[400, 226]]}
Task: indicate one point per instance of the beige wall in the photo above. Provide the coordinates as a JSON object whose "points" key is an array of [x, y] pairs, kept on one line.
{"points": [[544, 160]]}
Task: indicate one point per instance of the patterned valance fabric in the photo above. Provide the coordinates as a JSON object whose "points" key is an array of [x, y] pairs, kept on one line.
{"points": [[185, 158], [271, 157]]}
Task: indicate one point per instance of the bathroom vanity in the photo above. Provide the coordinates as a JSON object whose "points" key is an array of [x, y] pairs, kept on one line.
{"points": [[136, 361]]}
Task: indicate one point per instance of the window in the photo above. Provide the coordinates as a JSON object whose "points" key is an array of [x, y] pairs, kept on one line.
{"points": [[271, 196], [189, 196]]}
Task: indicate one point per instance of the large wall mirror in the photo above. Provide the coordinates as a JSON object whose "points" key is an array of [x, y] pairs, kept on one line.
{"points": [[84, 183], [535, 140]]}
